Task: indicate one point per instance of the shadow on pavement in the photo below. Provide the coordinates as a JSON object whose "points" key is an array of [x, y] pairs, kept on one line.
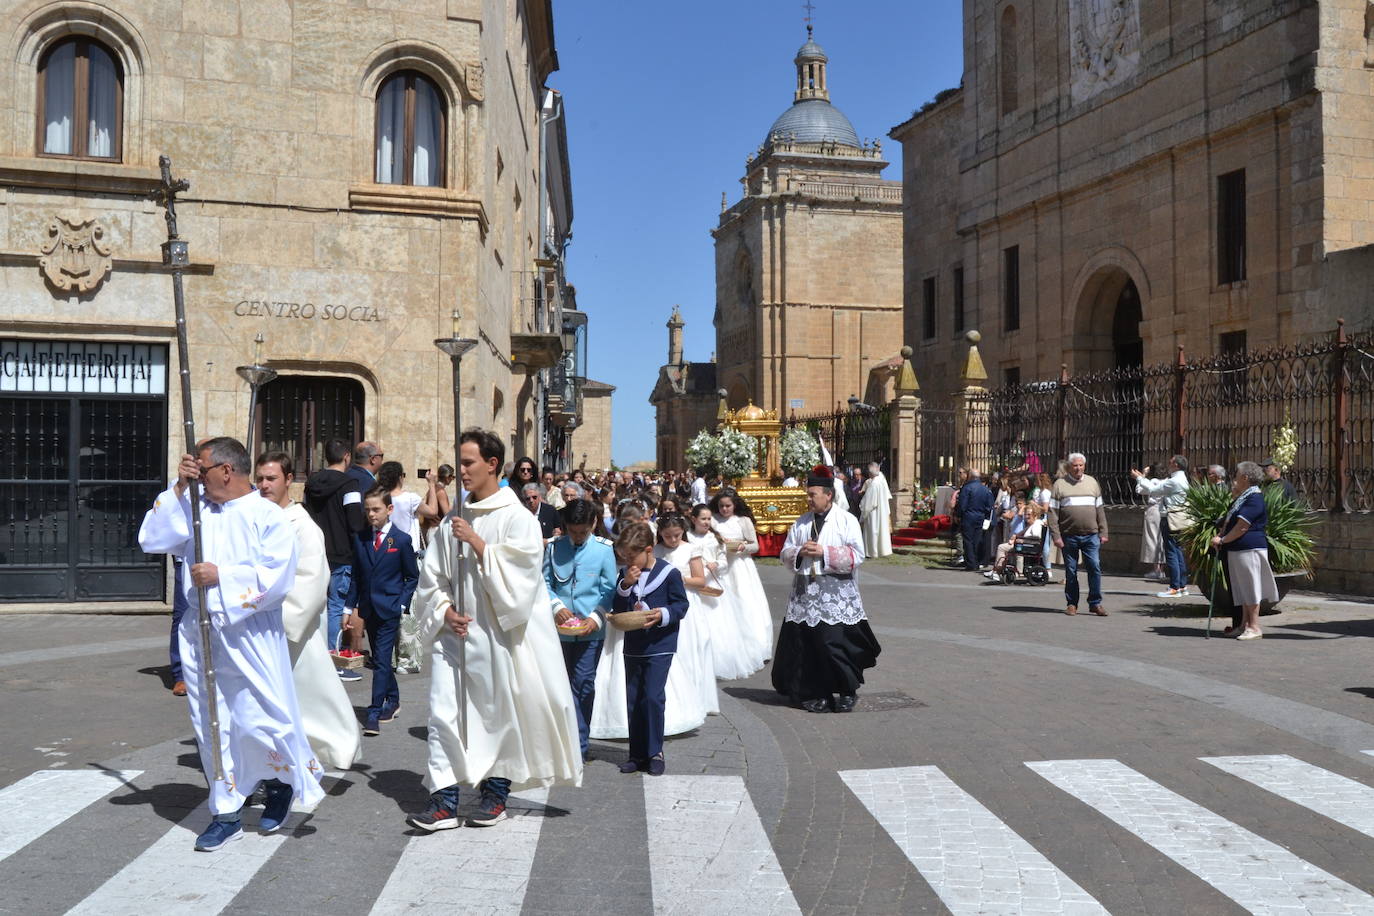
{"points": [[404, 787], [1361, 627], [418, 731], [1362, 691], [162, 673], [1026, 609], [170, 801], [757, 695]]}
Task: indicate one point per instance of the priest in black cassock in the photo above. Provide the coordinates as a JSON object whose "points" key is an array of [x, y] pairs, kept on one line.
{"points": [[825, 643]]}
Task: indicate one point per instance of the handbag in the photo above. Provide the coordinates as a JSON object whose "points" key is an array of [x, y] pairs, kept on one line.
{"points": [[1179, 519]]}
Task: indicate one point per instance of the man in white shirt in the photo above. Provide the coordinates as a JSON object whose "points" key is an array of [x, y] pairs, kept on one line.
{"points": [[699, 489]]}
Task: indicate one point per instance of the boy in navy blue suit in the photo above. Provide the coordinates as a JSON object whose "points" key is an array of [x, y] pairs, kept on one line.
{"points": [[651, 584], [384, 578]]}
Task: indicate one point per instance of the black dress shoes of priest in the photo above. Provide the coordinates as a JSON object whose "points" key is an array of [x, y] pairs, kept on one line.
{"points": [[845, 702], [820, 704], [842, 703]]}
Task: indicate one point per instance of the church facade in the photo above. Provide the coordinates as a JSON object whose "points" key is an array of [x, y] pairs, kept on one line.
{"points": [[808, 261], [1114, 179]]}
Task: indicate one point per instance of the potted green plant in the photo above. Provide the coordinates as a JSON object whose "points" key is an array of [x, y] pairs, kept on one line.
{"points": [[1289, 531]]}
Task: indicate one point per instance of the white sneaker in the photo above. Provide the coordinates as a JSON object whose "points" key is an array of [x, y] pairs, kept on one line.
{"points": [[1173, 593]]}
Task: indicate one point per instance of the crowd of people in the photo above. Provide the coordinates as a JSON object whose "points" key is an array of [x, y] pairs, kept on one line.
{"points": [[1064, 515], [548, 611]]}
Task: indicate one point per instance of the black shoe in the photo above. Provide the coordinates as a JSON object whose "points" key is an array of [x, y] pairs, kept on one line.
{"points": [[657, 766], [845, 702], [630, 766], [436, 817], [818, 705]]}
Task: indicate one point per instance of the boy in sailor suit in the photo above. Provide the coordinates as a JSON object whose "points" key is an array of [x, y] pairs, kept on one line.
{"points": [[648, 584]]}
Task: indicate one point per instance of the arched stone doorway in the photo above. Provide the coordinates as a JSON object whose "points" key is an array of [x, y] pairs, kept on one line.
{"points": [[1106, 354], [1106, 332]]}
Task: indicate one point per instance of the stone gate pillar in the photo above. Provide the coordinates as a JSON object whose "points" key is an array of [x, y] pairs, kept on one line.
{"points": [[905, 445], [971, 434]]}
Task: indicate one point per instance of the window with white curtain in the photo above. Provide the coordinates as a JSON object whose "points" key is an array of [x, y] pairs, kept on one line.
{"points": [[81, 100], [410, 131]]}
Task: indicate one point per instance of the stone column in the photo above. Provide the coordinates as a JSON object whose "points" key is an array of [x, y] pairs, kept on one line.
{"points": [[905, 431], [971, 410]]}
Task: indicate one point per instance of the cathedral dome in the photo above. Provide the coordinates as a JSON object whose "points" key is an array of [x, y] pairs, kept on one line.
{"points": [[814, 121]]}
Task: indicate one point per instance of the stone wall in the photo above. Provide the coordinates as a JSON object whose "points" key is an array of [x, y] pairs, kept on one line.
{"points": [[1345, 557], [1118, 181]]}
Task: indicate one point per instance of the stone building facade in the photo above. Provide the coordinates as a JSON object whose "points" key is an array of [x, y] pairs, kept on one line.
{"points": [[358, 175], [808, 277], [590, 445], [1116, 178], [685, 401]]}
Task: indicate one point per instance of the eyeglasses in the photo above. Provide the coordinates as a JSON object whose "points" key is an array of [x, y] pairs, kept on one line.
{"points": [[204, 471]]}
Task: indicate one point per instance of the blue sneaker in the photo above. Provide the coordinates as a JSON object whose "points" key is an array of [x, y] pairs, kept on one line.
{"points": [[372, 727], [276, 809], [218, 835], [389, 713], [348, 675]]}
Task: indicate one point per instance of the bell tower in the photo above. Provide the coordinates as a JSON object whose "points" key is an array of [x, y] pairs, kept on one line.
{"points": [[811, 61], [675, 324]]}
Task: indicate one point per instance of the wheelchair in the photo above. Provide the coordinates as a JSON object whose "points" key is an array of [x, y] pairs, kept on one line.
{"points": [[1026, 561]]}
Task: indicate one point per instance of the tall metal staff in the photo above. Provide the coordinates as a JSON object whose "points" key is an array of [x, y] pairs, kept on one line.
{"points": [[455, 347], [176, 255], [256, 376]]}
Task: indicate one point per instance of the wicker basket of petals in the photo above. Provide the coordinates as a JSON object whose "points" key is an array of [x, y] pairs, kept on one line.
{"points": [[629, 620]]}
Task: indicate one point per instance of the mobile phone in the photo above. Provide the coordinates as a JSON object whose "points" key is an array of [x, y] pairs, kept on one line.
{"points": [[423, 472]]}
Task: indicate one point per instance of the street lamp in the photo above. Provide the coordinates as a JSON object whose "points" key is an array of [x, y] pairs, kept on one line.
{"points": [[256, 376]]}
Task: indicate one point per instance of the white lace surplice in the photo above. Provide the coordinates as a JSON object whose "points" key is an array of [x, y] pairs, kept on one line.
{"points": [[823, 589]]}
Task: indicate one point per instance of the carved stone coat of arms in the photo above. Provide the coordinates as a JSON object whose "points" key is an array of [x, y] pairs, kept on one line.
{"points": [[76, 253], [1104, 45]]}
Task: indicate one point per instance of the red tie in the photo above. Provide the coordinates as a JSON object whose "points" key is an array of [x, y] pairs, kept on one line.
{"points": [[377, 544]]}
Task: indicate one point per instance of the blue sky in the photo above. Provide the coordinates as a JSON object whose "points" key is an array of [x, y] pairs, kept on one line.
{"points": [[664, 101]]}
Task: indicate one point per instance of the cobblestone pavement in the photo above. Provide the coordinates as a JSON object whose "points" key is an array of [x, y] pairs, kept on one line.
{"points": [[1004, 758]]}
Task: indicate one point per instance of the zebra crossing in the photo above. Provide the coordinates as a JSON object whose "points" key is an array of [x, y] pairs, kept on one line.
{"points": [[709, 851]]}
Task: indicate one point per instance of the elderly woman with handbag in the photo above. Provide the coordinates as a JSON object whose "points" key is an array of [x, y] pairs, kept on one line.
{"points": [[1246, 550]]}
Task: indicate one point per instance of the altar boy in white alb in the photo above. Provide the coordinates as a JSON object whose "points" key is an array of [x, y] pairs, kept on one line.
{"points": [[249, 565], [503, 654]]}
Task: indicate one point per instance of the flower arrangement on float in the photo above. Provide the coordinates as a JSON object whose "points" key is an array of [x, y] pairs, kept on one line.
{"points": [[703, 453], [798, 450], [738, 453]]}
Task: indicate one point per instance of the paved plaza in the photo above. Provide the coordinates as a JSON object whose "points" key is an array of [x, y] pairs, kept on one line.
{"points": [[1004, 758]]}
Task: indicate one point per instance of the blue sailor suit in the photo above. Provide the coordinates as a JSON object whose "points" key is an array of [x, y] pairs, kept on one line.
{"points": [[649, 652], [384, 578]]}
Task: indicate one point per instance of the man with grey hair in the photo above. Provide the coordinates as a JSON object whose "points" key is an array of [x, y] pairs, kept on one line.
{"points": [[532, 495], [367, 460], [1078, 524], [1216, 475], [1172, 492], [975, 511], [247, 568]]}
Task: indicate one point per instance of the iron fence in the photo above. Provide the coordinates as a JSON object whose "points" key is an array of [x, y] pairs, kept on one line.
{"points": [[1217, 410], [854, 437]]}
